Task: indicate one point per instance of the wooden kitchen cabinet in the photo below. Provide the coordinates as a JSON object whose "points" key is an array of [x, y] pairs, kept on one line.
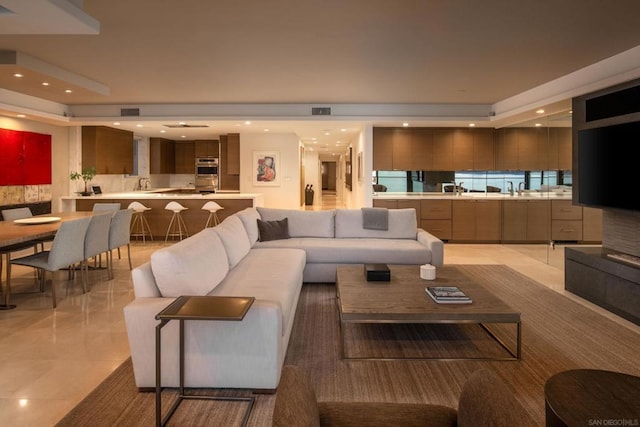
{"points": [[109, 150], [435, 217], [476, 220], [410, 204], [385, 203], [207, 148], [560, 149], [566, 221], [383, 149], [507, 149], [462, 147], [484, 154], [185, 157], [526, 220], [442, 150], [162, 155], [233, 154], [402, 149], [227, 180], [422, 149]]}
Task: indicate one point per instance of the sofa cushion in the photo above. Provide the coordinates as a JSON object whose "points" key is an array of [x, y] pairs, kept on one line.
{"points": [[249, 217], [356, 250], [273, 230], [193, 266], [402, 224], [303, 223], [234, 238]]}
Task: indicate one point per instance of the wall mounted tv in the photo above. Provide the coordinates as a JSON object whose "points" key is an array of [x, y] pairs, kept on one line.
{"points": [[608, 168]]}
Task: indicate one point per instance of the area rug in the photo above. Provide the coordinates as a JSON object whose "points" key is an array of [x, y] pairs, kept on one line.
{"points": [[558, 333]]}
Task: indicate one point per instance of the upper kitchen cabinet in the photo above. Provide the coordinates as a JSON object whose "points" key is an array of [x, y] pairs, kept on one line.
{"points": [[443, 149], [185, 157], [560, 148], [162, 155], [207, 148], [232, 158], [109, 150], [484, 153], [383, 149], [524, 149], [433, 149]]}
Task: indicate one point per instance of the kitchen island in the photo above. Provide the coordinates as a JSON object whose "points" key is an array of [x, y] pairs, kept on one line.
{"points": [[532, 217], [158, 217]]}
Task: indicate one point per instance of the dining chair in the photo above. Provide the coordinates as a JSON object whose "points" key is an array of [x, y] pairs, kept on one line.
{"points": [[67, 249], [119, 236], [99, 207], [21, 213], [96, 242]]}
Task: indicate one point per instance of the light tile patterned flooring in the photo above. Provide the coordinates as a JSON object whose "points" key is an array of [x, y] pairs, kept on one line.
{"points": [[50, 359]]}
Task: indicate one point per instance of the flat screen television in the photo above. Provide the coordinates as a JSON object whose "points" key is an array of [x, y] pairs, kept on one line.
{"points": [[608, 167]]}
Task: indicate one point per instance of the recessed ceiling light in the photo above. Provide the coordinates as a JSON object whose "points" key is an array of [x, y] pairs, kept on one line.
{"points": [[181, 123], [163, 131], [247, 122], [343, 130], [138, 125], [183, 136], [17, 75], [68, 91], [327, 133], [116, 123], [266, 130], [45, 83], [538, 125], [405, 124], [472, 125], [540, 111], [22, 116]]}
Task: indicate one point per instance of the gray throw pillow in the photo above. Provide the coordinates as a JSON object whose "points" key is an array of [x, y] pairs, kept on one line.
{"points": [[273, 230]]}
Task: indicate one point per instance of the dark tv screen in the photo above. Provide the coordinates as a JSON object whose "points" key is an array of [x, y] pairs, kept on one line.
{"points": [[608, 166]]}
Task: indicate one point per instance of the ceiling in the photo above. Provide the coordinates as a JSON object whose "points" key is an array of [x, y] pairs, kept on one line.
{"points": [[374, 62]]}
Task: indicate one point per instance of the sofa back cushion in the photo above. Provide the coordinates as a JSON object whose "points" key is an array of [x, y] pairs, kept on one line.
{"points": [[303, 223], [234, 238], [402, 224], [193, 266], [249, 218]]}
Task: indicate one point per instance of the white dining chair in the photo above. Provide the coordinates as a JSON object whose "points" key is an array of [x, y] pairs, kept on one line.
{"points": [[119, 235], [96, 242], [67, 249]]}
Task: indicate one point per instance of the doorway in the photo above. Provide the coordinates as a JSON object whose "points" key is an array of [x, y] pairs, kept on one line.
{"points": [[329, 176]]}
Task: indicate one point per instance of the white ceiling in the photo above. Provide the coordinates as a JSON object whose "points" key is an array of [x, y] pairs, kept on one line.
{"points": [[374, 62]]}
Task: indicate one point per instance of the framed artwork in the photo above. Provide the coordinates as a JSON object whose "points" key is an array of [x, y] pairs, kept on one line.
{"points": [[359, 165], [266, 168]]}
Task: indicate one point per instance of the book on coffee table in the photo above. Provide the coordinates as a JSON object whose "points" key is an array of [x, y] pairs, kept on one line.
{"points": [[447, 295]]}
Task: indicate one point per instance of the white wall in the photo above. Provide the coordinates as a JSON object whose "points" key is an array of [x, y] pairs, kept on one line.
{"points": [[287, 194], [361, 189]]}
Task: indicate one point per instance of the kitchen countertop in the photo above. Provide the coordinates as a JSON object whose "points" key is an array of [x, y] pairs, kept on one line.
{"points": [[533, 195], [68, 203], [162, 193]]}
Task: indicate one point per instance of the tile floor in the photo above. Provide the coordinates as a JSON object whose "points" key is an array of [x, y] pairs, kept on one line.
{"points": [[50, 359]]}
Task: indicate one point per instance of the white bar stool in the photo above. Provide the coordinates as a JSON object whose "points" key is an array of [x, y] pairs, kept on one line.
{"points": [[177, 227], [213, 209], [139, 224]]}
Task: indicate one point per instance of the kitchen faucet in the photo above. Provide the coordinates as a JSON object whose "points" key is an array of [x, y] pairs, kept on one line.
{"points": [[459, 188], [520, 184], [510, 188]]}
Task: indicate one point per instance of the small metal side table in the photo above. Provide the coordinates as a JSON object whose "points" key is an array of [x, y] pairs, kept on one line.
{"points": [[197, 308]]}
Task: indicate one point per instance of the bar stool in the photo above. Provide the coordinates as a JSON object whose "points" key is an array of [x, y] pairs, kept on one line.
{"points": [[213, 209], [139, 224], [177, 227]]}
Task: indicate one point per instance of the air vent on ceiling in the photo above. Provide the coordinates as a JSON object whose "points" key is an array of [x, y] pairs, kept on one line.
{"points": [[124, 112], [320, 111], [186, 126]]}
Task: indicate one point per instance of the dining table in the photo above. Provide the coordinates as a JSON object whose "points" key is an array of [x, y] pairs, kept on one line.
{"points": [[27, 230]]}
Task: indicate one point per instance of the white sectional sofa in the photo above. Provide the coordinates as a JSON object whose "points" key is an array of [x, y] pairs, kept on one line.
{"points": [[230, 260]]}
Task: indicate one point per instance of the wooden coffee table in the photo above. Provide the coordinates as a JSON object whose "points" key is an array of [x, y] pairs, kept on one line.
{"points": [[403, 300]]}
